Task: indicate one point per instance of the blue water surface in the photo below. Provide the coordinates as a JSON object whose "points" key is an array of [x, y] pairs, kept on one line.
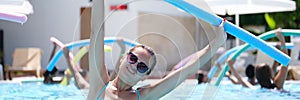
{"points": [[39, 91], [185, 91]]}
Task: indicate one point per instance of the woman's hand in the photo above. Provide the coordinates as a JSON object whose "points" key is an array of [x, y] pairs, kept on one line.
{"points": [[221, 35], [230, 62], [121, 44], [218, 65]]}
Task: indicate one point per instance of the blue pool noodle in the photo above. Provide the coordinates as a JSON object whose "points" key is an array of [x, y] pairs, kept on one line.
{"points": [[233, 30], [107, 40]]}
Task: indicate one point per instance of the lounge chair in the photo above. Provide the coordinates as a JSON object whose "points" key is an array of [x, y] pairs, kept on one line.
{"points": [[25, 60]]}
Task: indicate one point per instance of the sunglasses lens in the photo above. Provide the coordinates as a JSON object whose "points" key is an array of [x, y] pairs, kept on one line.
{"points": [[132, 59], [142, 67]]}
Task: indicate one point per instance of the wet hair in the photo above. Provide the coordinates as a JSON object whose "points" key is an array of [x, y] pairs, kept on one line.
{"points": [[200, 78], [151, 52], [250, 71], [263, 75]]}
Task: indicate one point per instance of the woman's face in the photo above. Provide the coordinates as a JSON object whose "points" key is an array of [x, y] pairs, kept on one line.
{"points": [[134, 66]]}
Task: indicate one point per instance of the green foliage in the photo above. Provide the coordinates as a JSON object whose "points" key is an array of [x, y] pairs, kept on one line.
{"points": [[285, 20], [288, 20], [270, 21], [252, 19]]}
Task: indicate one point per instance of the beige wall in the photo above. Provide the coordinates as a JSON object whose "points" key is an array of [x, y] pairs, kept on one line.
{"points": [[171, 37]]}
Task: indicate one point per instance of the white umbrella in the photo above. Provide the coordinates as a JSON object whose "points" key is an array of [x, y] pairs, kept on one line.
{"points": [[237, 7], [232, 7], [15, 10]]}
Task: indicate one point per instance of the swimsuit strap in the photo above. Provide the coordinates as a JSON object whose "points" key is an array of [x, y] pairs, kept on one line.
{"points": [[102, 90]]}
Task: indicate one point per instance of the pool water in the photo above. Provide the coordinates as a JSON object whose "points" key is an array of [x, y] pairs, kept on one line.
{"points": [[39, 91], [231, 91], [189, 90]]}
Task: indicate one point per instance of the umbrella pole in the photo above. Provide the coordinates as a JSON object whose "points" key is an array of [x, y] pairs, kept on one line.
{"points": [[237, 22]]}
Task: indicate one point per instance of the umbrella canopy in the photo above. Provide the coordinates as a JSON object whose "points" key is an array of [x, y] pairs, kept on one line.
{"points": [[232, 7], [15, 10], [17, 6], [238, 7]]}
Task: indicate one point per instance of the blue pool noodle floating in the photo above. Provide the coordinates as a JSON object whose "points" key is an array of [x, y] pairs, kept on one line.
{"points": [[107, 40], [233, 30]]}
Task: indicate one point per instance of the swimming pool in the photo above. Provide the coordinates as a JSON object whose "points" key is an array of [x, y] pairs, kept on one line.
{"points": [[229, 91], [186, 91], [38, 91]]}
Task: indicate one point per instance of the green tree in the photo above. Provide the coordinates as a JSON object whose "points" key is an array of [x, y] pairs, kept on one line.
{"points": [[288, 20]]}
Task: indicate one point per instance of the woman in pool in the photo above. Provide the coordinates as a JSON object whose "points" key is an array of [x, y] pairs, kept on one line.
{"points": [[81, 77], [263, 72], [250, 73], [202, 77], [137, 65]]}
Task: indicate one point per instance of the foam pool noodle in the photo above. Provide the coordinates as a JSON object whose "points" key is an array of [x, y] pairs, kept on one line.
{"points": [[64, 82]]}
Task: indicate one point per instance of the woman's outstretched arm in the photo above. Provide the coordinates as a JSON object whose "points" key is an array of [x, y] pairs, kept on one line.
{"points": [[232, 78], [81, 83], [237, 75], [121, 44], [97, 70], [282, 73], [198, 59]]}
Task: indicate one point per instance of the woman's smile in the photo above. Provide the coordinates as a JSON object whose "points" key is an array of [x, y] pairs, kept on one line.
{"points": [[130, 70]]}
